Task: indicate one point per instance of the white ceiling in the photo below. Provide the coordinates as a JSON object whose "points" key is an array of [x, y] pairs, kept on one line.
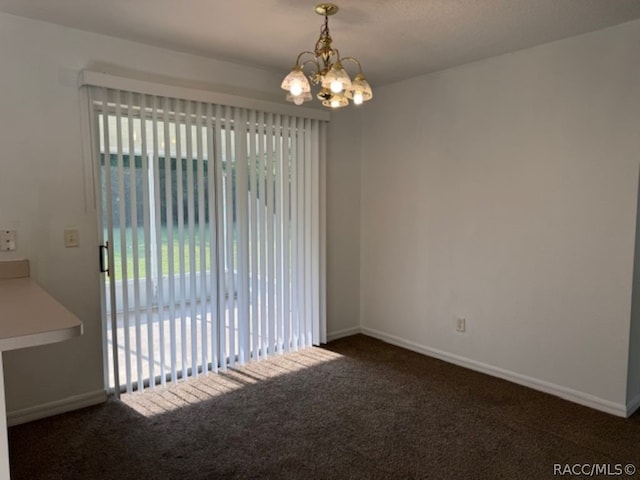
{"points": [[394, 39]]}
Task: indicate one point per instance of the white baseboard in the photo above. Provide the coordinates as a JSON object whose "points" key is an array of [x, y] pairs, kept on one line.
{"points": [[565, 393], [633, 405], [29, 414], [17, 417], [347, 332]]}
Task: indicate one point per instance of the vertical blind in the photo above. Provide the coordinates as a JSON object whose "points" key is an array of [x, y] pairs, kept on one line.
{"points": [[212, 214]]}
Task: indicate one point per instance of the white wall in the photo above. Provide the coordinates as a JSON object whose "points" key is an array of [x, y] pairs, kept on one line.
{"points": [[504, 191], [42, 187], [633, 380], [343, 212]]}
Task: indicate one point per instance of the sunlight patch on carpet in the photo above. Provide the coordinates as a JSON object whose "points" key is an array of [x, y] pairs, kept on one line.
{"points": [[160, 400]]}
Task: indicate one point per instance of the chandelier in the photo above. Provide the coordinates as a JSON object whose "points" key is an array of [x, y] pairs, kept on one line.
{"points": [[326, 71]]}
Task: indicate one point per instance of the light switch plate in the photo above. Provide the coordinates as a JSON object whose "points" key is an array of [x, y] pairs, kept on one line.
{"points": [[7, 240], [71, 237]]}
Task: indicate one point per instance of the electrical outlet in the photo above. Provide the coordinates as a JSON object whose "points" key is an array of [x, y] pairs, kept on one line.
{"points": [[461, 324]]}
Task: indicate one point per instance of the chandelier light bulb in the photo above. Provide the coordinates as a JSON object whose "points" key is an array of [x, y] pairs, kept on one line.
{"points": [[336, 86], [296, 88], [298, 100], [360, 91]]}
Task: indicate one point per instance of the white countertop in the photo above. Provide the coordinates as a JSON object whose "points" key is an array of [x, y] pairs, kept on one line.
{"points": [[29, 316]]}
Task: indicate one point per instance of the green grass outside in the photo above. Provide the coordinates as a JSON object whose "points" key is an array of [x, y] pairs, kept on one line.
{"points": [[185, 253]]}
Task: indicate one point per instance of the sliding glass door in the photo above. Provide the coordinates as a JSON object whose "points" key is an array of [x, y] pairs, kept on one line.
{"points": [[210, 217]]}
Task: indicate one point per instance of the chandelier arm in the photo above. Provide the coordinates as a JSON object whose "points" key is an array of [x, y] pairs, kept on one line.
{"points": [[312, 61], [354, 60], [300, 56]]}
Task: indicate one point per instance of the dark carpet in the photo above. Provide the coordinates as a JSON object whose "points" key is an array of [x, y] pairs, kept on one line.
{"points": [[355, 409]]}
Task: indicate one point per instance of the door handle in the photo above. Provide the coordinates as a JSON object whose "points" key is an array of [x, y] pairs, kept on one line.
{"points": [[102, 249]]}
